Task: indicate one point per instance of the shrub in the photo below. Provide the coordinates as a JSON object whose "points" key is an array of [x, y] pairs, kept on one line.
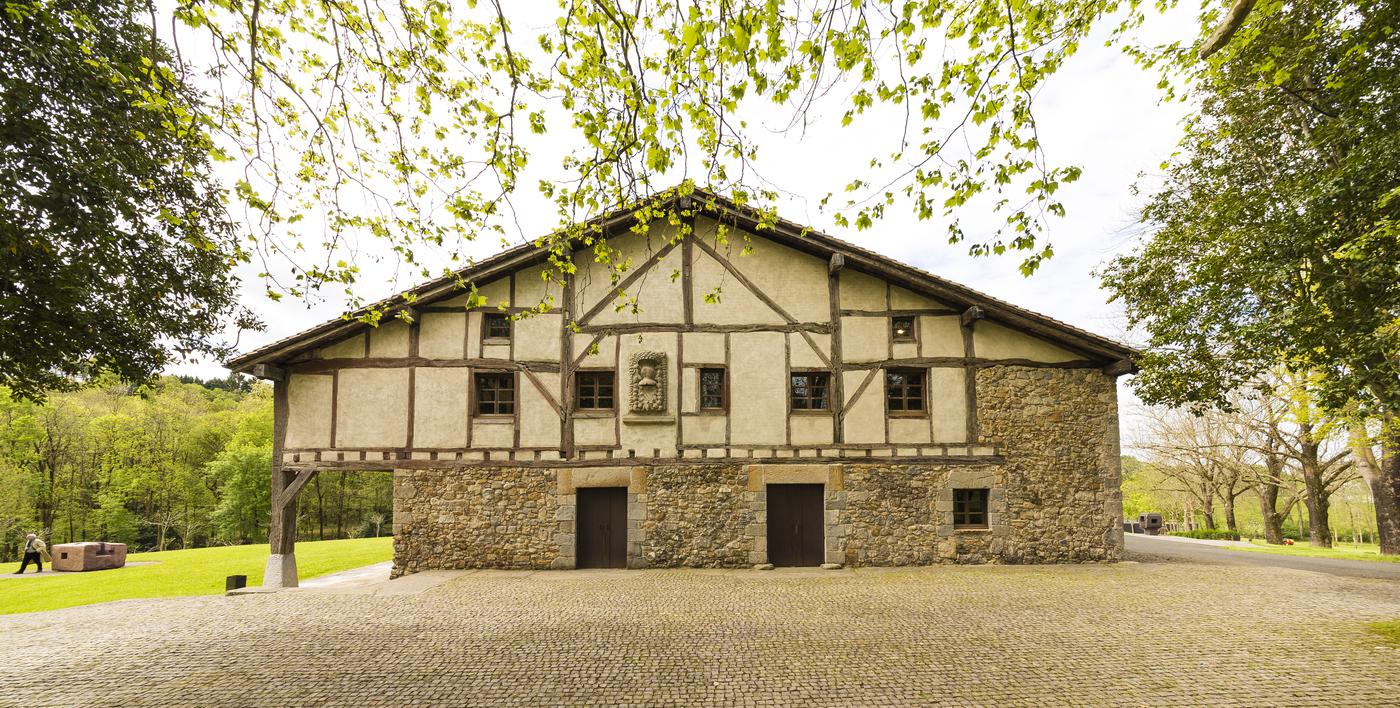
{"points": [[1209, 534]]}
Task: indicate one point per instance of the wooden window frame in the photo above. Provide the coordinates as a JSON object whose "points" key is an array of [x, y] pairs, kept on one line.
{"points": [[514, 379], [486, 319], [579, 376], [700, 406], [963, 516], [922, 410], [792, 401], [913, 335]]}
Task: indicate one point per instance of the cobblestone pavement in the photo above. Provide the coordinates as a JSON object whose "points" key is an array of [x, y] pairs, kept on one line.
{"points": [[1127, 634]]}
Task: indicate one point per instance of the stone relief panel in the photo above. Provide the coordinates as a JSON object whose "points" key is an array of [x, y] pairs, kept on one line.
{"points": [[647, 376]]}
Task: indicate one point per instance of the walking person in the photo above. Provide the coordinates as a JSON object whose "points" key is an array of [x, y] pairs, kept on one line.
{"points": [[34, 552]]}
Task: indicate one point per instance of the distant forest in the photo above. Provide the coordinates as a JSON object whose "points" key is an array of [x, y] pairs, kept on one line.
{"points": [[179, 463]]}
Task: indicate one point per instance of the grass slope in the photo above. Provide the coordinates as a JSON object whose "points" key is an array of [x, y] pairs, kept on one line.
{"points": [[198, 571], [1364, 552], [1389, 631]]}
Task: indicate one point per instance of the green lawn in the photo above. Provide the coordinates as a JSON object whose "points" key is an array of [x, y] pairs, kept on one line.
{"points": [[198, 571], [1344, 551], [1389, 631]]}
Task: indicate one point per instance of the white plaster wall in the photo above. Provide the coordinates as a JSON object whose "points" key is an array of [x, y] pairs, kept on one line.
{"points": [[705, 430], [495, 293], [804, 356], [993, 341], [658, 295], [348, 348], [389, 339], [442, 335], [736, 304], [862, 292], [758, 388], [704, 347], [908, 430], [537, 286], [537, 338], [605, 356], [813, 429], [595, 431], [489, 432], [901, 299], [372, 410], [539, 424], [865, 418], [309, 410], [796, 281], [940, 336], [865, 339], [440, 407], [947, 397]]}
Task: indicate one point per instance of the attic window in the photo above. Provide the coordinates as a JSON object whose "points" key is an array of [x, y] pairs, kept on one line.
{"points": [[497, 326], [902, 328]]}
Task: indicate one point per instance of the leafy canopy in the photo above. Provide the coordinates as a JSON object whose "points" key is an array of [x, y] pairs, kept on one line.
{"points": [[1275, 235], [115, 251], [415, 122]]}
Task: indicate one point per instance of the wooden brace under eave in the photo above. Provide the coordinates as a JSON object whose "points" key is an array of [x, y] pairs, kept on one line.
{"points": [[972, 314], [268, 372], [1122, 367]]}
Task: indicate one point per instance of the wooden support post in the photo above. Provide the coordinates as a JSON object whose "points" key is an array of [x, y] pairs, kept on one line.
{"points": [[838, 375], [566, 371]]}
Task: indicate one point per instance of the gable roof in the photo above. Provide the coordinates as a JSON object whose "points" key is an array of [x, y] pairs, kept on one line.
{"points": [[977, 305]]}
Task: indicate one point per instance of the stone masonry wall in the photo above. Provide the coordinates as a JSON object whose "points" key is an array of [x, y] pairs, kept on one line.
{"points": [[474, 517], [1059, 431], [698, 516], [902, 515]]}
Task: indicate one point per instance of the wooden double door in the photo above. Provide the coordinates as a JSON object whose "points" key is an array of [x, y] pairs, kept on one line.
{"points": [[600, 527], [795, 530]]}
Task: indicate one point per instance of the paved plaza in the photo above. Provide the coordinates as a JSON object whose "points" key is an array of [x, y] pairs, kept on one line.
{"points": [[1126, 634]]}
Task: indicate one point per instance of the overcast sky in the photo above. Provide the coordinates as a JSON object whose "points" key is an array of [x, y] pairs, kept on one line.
{"points": [[1100, 112]]}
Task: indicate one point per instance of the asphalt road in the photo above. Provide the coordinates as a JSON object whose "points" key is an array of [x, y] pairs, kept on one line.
{"points": [[1202, 553]]}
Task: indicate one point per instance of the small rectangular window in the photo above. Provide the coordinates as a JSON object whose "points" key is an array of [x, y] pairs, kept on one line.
{"points": [[904, 390], [902, 328], [495, 393], [497, 326], [712, 390], [594, 390], [970, 508], [809, 391]]}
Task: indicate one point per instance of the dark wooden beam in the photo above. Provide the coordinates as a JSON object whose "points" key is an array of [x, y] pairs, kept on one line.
{"points": [[812, 327], [324, 365]]}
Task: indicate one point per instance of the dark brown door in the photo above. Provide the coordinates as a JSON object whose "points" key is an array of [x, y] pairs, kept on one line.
{"points": [[602, 527], [795, 529]]}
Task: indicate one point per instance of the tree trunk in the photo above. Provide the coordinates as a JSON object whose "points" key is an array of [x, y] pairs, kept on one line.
{"points": [[1383, 477], [1230, 515], [1319, 526], [1385, 489], [1268, 510]]}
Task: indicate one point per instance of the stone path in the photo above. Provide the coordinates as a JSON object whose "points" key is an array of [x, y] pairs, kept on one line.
{"points": [[1127, 634], [1175, 548]]}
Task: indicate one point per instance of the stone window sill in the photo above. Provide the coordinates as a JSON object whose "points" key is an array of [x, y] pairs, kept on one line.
{"points": [[972, 529]]}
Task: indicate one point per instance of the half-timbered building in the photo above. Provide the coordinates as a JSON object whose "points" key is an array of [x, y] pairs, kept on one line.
{"points": [[742, 394]]}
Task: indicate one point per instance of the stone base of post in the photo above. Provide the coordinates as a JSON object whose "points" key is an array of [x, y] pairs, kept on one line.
{"points": [[281, 571]]}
